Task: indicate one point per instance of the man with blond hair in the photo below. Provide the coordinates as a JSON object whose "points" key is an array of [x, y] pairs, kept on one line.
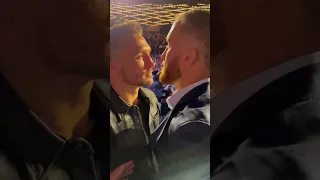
{"points": [[182, 137]]}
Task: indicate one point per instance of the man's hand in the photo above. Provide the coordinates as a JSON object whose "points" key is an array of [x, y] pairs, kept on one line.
{"points": [[122, 171]]}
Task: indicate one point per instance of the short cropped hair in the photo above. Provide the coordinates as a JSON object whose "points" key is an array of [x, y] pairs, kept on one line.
{"points": [[122, 30], [197, 22]]}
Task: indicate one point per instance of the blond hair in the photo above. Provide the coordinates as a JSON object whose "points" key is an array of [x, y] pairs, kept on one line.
{"points": [[197, 23]]}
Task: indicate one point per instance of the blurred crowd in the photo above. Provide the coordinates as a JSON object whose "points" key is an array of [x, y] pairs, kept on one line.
{"points": [[157, 42]]}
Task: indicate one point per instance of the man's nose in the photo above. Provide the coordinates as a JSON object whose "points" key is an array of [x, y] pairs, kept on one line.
{"points": [[149, 62]]}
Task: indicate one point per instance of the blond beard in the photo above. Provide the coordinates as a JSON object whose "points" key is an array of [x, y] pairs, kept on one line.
{"points": [[170, 72]]}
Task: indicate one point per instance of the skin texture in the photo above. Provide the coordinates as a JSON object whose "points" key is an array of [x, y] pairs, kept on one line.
{"points": [[122, 171]]}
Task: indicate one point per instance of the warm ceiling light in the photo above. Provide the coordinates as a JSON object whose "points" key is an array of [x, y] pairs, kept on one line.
{"points": [[149, 14]]}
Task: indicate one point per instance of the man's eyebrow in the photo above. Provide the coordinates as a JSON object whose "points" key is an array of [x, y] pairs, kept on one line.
{"points": [[146, 49]]}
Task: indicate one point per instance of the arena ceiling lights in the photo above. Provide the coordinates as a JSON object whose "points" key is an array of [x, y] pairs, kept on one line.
{"points": [[149, 14]]}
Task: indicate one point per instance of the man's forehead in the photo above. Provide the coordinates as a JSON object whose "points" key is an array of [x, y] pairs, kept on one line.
{"points": [[171, 32], [136, 42]]}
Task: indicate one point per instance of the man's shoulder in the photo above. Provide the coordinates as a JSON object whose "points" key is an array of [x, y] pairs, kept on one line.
{"points": [[198, 97], [198, 108], [197, 111]]}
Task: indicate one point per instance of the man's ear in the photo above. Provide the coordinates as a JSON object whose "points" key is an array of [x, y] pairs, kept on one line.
{"points": [[190, 56], [114, 59]]}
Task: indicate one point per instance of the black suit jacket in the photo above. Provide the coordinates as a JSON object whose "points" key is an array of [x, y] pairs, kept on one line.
{"points": [[283, 113], [183, 136]]}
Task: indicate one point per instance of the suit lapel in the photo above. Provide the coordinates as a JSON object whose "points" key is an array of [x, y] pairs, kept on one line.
{"points": [[194, 93], [163, 125]]}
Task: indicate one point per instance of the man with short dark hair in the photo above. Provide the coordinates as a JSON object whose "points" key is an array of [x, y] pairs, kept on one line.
{"points": [[182, 139], [50, 53], [265, 116], [135, 113]]}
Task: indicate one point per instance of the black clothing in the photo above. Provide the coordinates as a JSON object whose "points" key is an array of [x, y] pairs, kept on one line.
{"points": [[282, 114], [131, 127], [181, 141]]}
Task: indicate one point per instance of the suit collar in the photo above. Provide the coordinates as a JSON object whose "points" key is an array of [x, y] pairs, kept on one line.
{"points": [[174, 99], [201, 92]]}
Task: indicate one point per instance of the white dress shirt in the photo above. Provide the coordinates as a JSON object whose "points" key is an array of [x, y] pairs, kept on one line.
{"points": [[173, 100], [225, 103]]}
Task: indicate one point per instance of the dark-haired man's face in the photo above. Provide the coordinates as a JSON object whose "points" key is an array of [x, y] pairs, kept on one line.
{"points": [[133, 63]]}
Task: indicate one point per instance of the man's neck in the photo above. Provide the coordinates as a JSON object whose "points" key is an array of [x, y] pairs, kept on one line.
{"points": [[61, 101], [128, 93]]}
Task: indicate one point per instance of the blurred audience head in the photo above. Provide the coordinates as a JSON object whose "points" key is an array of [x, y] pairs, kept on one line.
{"points": [[259, 34], [188, 48], [69, 37], [130, 55]]}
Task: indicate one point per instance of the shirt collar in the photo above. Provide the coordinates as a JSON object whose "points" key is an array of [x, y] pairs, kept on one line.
{"points": [[174, 99], [120, 105], [223, 104]]}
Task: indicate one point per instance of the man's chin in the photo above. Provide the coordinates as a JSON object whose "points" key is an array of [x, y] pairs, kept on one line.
{"points": [[147, 82]]}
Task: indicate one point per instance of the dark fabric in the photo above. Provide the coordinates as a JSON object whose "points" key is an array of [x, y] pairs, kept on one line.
{"points": [[183, 135], [100, 137], [164, 109], [30, 150], [285, 113], [132, 129], [144, 113]]}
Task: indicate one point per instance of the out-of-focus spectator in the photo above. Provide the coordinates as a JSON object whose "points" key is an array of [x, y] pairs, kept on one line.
{"points": [[157, 42]]}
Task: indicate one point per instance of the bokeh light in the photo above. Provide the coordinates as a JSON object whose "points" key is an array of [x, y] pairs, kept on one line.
{"points": [[149, 14]]}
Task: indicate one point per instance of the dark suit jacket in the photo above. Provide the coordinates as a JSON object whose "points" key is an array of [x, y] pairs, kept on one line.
{"points": [[183, 136], [285, 113]]}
